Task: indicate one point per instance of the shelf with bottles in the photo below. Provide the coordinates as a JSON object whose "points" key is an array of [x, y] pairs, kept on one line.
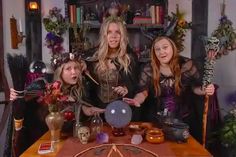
{"points": [[129, 26], [145, 13], [140, 17]]}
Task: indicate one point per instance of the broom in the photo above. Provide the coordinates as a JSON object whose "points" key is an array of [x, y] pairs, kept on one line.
{"points": [[18, 66]]}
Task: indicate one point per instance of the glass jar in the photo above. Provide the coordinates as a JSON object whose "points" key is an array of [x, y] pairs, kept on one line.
{"points": [[75, 128], [96, 125]]}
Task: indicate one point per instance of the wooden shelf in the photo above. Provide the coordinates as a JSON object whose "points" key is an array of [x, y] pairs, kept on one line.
{"points": [[149, 26], [131, 26], [138, 32]]}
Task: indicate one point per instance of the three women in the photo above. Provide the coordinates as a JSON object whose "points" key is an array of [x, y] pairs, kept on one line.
{"points": [[168, 79]]}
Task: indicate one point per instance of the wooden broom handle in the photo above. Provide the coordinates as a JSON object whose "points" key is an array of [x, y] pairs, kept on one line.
{"points": [[204, 120]]}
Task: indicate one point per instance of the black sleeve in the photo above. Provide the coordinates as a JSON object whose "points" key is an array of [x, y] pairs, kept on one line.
{"points": [[190, 73], [130, 79], [89, 88], [145, 77]]}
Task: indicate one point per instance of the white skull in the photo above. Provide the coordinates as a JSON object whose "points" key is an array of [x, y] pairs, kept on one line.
{"points": [[212, 43], [72, 56], [83, 134]]}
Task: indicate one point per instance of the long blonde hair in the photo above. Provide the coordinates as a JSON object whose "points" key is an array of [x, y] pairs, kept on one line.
{"points": [[174, 67], [75, 91], [102, 52]]}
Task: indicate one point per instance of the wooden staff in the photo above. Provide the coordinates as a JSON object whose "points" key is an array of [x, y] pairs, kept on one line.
{"points": [[204, 120], [207, 79]]}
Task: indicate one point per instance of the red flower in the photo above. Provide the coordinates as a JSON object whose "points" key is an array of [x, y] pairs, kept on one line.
{"points": [[52, 95]]}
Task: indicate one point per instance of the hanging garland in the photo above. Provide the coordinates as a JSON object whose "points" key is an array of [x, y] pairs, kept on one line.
{"points": [[56, 25], [180, 29], [225, 30]]}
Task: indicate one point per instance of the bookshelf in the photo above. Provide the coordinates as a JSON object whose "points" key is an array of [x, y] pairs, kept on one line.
{"points": [[86, 17], [131, 26]]}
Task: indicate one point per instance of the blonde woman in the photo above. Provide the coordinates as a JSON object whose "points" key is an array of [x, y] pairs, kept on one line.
{"points": [[113, 65], [68, 71]]}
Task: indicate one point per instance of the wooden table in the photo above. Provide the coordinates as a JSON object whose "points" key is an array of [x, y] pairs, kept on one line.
{"points": [[190, 149]]}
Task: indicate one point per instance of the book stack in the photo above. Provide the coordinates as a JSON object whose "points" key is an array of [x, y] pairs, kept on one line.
{"points": [[157, 14], [142, 20], [76, 14]]}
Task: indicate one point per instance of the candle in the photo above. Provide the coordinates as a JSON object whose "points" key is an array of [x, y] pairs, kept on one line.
{"points": [[20, 24]]}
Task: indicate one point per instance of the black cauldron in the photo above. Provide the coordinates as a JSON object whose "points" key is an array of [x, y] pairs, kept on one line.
{"points": [[175, 130]]}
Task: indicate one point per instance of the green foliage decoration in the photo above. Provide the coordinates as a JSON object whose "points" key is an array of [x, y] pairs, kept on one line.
{"points": [[179, 33], [56, 25], [225, 29], [55, 22], [228, 131]]}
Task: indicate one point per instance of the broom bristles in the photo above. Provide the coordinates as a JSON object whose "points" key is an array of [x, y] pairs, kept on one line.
{"points": [[18, 67]]}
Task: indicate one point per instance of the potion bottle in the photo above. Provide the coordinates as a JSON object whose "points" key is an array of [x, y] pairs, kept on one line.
{"points": [[96, 125]]}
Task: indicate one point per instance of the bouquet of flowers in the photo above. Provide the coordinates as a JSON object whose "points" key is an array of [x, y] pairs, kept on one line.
{"points": [[53, 96], [56, 25]]}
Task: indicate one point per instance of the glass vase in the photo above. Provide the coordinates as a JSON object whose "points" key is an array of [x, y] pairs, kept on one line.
{"points": [[54, 121]]}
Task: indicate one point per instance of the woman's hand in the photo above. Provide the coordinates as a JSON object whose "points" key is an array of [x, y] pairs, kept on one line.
{"points": [[121, 90], [209, 89], [132, 102], [89, 111], [13, 94], [138, 99]]}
